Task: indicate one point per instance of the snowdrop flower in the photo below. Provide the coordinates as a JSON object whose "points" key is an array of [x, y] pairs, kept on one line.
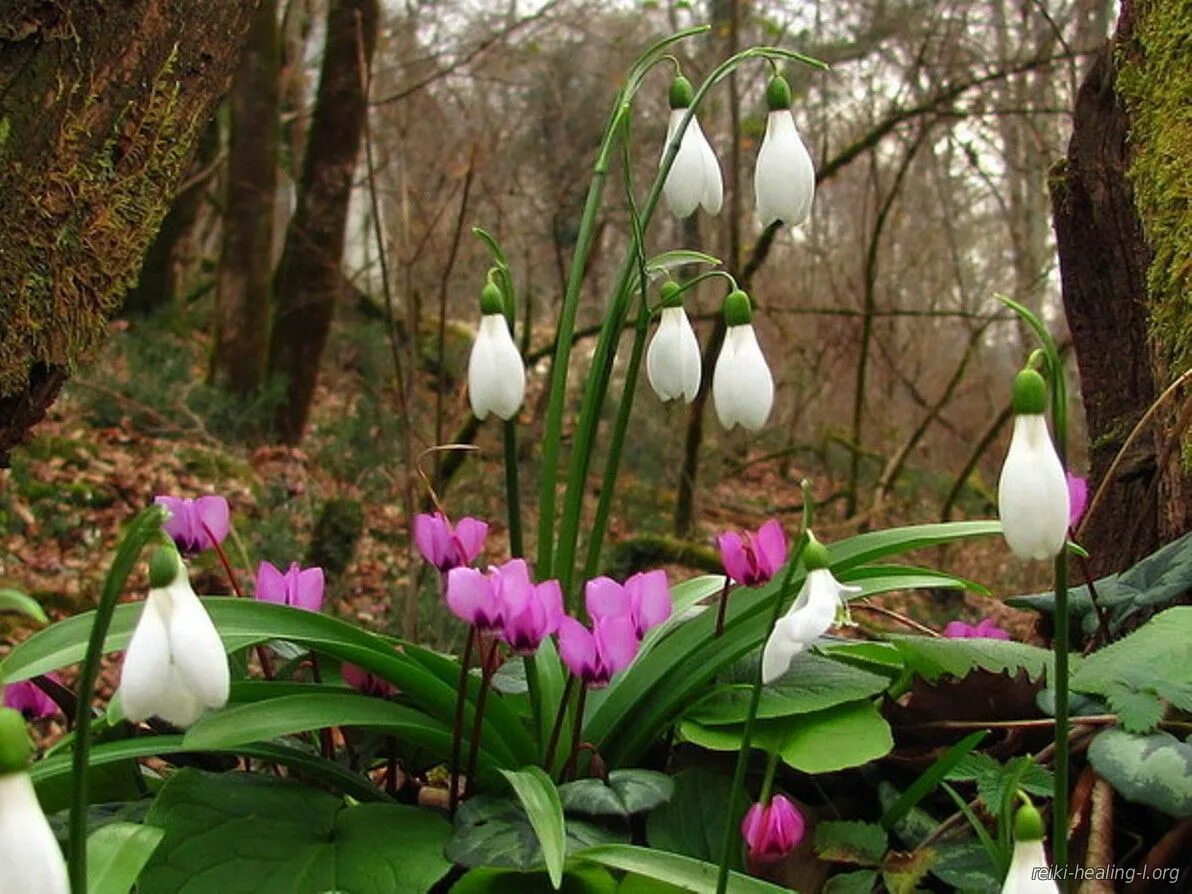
{"points": [[673, 363], [742, 387], [448, 546], [772, 831], [1032, 493], [298, 587], [694, 178], [496, 372], [1028, 873], [30, 860], [175, 667], [28, 698], [756, 558], [644, 599], [784, 178], [195, 525], [814, 611]]}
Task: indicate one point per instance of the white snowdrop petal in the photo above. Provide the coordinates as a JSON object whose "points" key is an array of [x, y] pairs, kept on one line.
{"points": [[713, 180], [672, 358], [198, 652], [1022, 877], [742, 387], [496, 373], [31, 861], [784, 177], [1033, 492], [684, 187], [146, 665]]}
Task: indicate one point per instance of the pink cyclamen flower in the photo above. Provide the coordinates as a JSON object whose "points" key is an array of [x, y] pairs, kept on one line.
{"points": [[985, 629], [531, 611], [772, 831], [195, 525], [755, 558], [1078, 498], [446, 546], [28, 698], [596, 655], [366, 682], [644, 598], [298, 587]]}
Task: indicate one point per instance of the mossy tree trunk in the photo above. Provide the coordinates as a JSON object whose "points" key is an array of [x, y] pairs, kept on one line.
{"points": [[244, 290], [308, 281], [101, 105], [1120, 231]]}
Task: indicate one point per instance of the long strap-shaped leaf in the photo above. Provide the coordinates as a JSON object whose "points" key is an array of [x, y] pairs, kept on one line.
{"points": [[540, 799]]}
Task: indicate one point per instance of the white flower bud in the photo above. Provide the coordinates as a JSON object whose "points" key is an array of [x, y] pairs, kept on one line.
{"points": [[742, 387], [694, 178], [784, 178], [496, 373], [30, 860], [673, 358], [1032, 493]]}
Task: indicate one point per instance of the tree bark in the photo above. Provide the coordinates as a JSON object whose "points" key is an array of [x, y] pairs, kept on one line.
{"points": [[245, 282], [101, 105], [308, 281]]}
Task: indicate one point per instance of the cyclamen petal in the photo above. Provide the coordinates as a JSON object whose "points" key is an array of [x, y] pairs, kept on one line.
{"points": [[784, 178], [496, 372], [473, 599], [694, 178], [28, 698], [193, 523], [31, 861], [772, 831], [1033, 492], [742, 387], [649, 599], [673, 363]]}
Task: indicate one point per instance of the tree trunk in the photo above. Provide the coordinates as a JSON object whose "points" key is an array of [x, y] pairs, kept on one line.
{"points": [[246, 260], [101, 105], [308, 280], [1105, 258]]}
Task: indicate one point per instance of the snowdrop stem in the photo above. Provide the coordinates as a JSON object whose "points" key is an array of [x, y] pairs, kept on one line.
{"points": [[486, 677], [720, 613], [457, 728], [145, 527], [557, 730]]}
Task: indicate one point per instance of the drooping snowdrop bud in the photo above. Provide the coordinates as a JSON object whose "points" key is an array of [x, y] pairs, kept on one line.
{"points": [[673, 363], [195, 525], [784, 179], [742, 387], [694, 178], [30, 859], [812, 614], [1032, 493], [496, 372], [772, 831], [1028, 873], [175, 667]]}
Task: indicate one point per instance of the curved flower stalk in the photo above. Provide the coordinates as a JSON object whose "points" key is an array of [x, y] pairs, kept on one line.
{"points": [[742, 387], [30, 860], [694, 178], [772, 831], [175, 667], [673, 362], [784, 178], [1028, 873], [448, 546], [496, 372], [195, 525], [755, 558], [815, 610], [298, 587], [1032, 493]]}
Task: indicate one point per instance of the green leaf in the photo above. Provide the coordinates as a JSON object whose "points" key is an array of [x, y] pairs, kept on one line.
{"points": [[240, 833], [116, 854], [902, 873], [540, 800], [930, 778], [627, 792], [859, 882], [692, 822], [16, 601], [965, 866], [1153, 662], [850, 841], [1155, 770], [684, 873], [496, 832], [576, 880], [812, 684], [261, 721], [932, 657]]}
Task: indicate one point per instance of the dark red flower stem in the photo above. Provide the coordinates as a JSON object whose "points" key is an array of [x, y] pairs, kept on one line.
{"points": [[728, 582], [486, 676], [326, 739], [576, 730], [262, 655], [457, 729], [557, 729]]}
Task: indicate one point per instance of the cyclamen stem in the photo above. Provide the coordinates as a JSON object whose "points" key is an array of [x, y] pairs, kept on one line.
{"points": [[486, 676], [723, 609], [262, 655], [326, 739], [577, 729], [557, 730], [457, 729]]}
